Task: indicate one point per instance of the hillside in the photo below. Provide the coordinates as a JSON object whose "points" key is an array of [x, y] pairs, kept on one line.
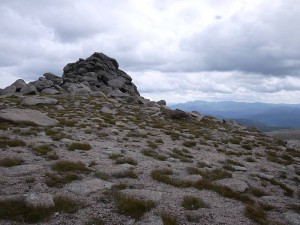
{"points": [[272, 115], [91, 150]]}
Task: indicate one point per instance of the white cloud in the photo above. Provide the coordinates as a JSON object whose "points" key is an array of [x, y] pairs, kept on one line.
{"points": [[180, 50]]}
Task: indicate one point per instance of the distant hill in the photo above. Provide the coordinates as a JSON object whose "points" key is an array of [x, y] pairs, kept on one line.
{"points": [[289, 134], [262, 115]]}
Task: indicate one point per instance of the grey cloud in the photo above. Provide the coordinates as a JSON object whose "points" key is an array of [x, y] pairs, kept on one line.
{"points": [[253, 42]]}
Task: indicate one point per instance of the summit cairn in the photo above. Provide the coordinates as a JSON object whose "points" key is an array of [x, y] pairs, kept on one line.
{"points": [[93, 76]]}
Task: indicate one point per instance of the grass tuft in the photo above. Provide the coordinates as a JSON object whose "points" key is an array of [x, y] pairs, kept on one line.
{"points": [[168, 219], [193, 203], [69, 166], [11, 161], [79, 146], [133, 207]]}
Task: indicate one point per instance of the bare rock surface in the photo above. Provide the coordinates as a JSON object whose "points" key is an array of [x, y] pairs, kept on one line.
{"points": [[234, 184], [104, 141], [88, 186], [26, 115], [36, 100]]}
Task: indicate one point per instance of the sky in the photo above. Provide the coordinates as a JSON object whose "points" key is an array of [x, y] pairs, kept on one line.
{"points": [[177, 50]]}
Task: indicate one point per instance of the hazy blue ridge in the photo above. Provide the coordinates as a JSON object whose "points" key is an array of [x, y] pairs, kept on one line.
{"points": [[264, 115]]}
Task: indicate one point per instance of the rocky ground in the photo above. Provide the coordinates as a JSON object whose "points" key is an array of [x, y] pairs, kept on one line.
{"points": [[74, 158]]}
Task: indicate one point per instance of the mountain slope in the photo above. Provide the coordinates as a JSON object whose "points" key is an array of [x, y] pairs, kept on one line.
{"points": [[72, 158]]}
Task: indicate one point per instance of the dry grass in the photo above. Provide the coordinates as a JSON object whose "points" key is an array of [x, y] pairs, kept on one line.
{"points": [[193, 203], [11, 161], [168, 218], [69, 166], [79, 146], [133, 207]]}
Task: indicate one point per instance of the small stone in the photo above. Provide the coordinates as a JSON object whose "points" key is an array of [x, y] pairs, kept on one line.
{"points": [[239, 168], [233, 184], [265, 176]]}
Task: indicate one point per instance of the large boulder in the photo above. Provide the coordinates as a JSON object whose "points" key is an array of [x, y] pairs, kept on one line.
{"points": [[19, 84], [43, 83], [55, 79], [8, 90], [16, 115], [38, 100], [29, 89]]}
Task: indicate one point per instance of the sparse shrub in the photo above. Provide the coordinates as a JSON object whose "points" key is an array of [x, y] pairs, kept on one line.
{"points": [[133, 207], [257, 192], [126, 174], [181, 155], [95, 221], [79, 146], [250, 159], [287, 191], [18, 210], [192, 218], [189, 144], [14, 143], [193, 203], [153, 154], [232, 162], [202, 164], [11, 161], [55, 180], [168, 219], [152, 144], [66, 204], [42, 149], [246, 146], [256, 213], [68, 123], [69, 166], [162, 175], [102, 176], [128, 160]]}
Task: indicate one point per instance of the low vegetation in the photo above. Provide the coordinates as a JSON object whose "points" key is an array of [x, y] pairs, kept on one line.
{"points": [[133, 207], [70, 166], [79, 146], [11, 161], [193, 203]]}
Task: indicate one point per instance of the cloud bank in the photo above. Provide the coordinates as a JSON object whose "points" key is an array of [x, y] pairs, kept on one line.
{"points": [[177, 50]]}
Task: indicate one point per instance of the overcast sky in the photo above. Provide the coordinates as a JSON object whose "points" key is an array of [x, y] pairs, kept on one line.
{"points": [[177, 50]]}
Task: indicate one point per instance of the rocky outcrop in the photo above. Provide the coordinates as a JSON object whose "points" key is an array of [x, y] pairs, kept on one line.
{"points": [[97, 73]]}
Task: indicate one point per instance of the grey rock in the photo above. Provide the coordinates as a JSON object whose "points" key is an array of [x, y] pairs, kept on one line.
{"points": [[78, 89], [8, 90], [265, 176], [39, 200], [107, 110], [29, 89], [26, 115], [239, 168], [153, 220], [151, 104], [19, 84], [43, 83], [37, 100], [179, 115], [292, 218], [234, 184], [134, 100], [117, 83], [118, 94], [162, 102], [50, 91], [88, 186], [55, 79]]}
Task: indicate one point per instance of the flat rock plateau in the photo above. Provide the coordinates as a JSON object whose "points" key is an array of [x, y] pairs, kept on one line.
{"points": [[86, 148]]}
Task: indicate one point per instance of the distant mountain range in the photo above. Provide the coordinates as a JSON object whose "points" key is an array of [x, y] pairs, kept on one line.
{"points": [[264, 116]]}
